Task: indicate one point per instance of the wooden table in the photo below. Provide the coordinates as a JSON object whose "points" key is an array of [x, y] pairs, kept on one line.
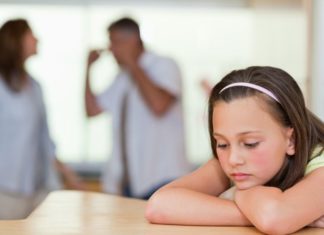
{"points": [[74, 212]]}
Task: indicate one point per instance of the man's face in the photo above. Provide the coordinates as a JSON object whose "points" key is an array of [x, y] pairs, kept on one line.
{"points": [[122, 44]]}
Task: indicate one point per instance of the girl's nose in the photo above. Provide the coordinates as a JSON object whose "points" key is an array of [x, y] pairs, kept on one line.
{"points": [[236, 157]]}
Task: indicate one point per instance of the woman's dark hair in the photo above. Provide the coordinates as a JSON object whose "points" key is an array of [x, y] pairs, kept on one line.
{"points": [[289, 112], [11, 49]]}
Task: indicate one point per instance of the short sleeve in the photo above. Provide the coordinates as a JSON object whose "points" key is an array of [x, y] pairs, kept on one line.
{"points": [[108, 97], [315, 163], [166, 74]]}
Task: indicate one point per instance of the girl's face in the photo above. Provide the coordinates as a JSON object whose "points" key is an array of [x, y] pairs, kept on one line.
{"points": [[29, 44], [251, 145]]}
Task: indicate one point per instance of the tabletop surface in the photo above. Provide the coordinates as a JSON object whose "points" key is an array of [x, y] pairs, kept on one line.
{"points": [[75, 212]]}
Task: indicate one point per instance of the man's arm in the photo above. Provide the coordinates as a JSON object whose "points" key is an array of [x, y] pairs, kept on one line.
{"points": [[275, 212], [92, 107], [192, 200], [158, 99]]}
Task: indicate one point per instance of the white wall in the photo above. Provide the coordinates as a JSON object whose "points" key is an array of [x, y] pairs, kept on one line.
{"points": [[207, 41], [317, 67]]}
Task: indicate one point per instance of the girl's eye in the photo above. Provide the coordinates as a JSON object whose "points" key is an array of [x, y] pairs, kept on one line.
{"points": [[221, 146], [251, 145]]}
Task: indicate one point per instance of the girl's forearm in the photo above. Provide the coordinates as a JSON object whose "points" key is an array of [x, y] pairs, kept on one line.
{"points": [[187, 207], [267, 209]]}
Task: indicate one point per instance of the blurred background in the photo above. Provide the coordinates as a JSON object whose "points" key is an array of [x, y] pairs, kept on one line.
{"points": [[208, 38]]}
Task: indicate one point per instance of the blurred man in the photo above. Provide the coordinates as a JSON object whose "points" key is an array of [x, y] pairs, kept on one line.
{"points": [[145, 103]]}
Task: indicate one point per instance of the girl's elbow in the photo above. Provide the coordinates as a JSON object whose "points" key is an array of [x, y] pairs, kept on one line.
{"points": [[269, 220], [276, 229], [273, 228], [154, 211], [272, 223], [279, 227], [151, 214]]}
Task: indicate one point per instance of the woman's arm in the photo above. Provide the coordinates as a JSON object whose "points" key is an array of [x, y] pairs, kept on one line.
{"points": [[71, 179], [192, 200], [275, 212]]}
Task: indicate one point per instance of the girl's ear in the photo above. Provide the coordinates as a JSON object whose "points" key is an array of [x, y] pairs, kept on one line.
{"points": [[291, 142]]}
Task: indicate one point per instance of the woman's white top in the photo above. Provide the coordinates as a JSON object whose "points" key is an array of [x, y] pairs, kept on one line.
{"points": [[26, 149]]}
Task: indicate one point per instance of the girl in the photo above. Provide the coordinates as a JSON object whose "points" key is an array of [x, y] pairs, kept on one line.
{"points": [[27, 153], [267, 145]]}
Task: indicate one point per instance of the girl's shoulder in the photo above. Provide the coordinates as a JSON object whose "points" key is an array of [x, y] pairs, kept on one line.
{"points": [[316, 161]]}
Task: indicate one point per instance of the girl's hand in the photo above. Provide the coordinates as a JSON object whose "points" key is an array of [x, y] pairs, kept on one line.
{"points": [[319, 223]]}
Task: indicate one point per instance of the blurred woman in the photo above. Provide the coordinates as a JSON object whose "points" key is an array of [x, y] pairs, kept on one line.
{"points": [[28, 165]]}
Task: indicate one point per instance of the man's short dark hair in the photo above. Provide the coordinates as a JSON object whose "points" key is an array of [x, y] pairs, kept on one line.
{"points": [[126, 24]]}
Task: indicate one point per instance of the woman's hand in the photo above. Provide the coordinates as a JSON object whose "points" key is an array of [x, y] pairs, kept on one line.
{"points": [[71, 179]]}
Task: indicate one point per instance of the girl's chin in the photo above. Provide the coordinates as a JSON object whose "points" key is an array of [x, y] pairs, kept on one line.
{"points": [[244, 186]]}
